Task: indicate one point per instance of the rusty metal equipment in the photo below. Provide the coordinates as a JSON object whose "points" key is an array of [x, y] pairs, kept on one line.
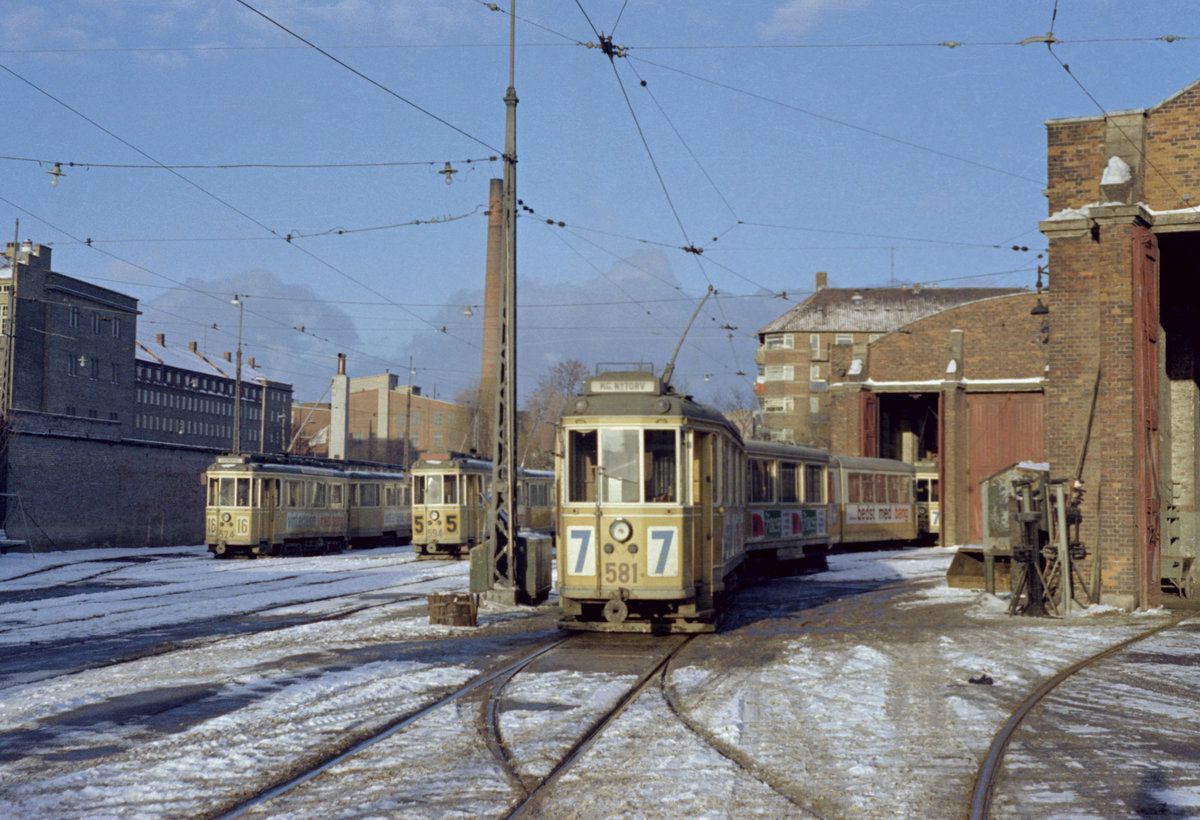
{"points": [[1046, 547]]}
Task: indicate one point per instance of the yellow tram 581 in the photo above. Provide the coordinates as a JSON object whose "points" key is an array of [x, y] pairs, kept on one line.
{"points": [[651, 515]]}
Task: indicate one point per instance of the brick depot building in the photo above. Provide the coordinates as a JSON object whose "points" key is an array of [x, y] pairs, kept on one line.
{"points": [[1124, 240], [961, 391]]}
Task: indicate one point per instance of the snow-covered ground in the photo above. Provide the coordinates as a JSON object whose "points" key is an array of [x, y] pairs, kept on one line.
{"points": [[162, 683]]}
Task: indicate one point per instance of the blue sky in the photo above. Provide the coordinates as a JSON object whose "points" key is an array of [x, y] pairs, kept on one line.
{"points": [[780, 138]]}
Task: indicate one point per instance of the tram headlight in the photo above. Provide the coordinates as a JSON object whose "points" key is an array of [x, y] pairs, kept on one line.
{"points": [[226, 517], [620, 530], [433, 515]]}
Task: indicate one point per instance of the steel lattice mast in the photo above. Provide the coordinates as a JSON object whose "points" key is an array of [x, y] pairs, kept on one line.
{"points": [[502, 519]]}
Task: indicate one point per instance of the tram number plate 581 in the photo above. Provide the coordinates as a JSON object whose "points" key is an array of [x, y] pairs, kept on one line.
{"points": [[619, 572]]}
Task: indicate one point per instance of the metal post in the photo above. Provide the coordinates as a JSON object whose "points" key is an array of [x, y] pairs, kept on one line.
{"points": [[1064, 550], [502, 520], [237, 384]]}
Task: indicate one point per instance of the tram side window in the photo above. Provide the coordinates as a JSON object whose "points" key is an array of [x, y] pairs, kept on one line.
{"points": [[789, 492], [660, 465], [243, 492], [854, 493], [294, 493], [814, 483], [581, 461], [335, 495], [270, 492], [368, 495], [881, 489], [762, 481], [450, 489], [316, 494]]}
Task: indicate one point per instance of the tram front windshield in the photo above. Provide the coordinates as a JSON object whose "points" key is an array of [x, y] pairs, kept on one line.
{"points": [[626, 466]]}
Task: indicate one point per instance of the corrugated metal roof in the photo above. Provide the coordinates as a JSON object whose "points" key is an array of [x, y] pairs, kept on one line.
{"points": [[873, 310]]}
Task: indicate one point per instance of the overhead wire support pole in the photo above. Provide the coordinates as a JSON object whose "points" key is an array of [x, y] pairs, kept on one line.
{"points": [[503, 528]]}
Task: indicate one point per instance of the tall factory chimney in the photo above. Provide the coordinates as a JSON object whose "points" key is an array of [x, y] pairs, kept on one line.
{"points": [[339, 412], [491, 294]]}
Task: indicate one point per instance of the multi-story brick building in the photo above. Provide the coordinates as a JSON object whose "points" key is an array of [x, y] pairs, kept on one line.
{"points": [[102, 439], [68, 345], [381, 412], [1123, 398], [795, 350]]}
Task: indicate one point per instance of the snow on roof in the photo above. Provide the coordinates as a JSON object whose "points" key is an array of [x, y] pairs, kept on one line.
{"points": [[874, 310], [184, 358]]}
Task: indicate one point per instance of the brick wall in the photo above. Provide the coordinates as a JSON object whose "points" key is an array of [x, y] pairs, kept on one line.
{"points": [[1002, 340], [81, 493]]}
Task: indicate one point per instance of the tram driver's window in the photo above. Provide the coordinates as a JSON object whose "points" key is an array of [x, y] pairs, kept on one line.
{"points": [[451, 489], [243, 492], [660, 465], [581, 458]]}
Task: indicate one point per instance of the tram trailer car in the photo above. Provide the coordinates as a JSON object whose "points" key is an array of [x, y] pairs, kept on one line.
{"points": [[652, 515], [273, 505], [788, 526], [450, 503], [872, 501]]}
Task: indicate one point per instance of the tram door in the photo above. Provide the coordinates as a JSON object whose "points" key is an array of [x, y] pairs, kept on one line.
{"points": [[704, 536]]}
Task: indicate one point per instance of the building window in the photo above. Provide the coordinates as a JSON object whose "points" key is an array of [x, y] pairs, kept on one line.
{"points": [[437, 439], [74, 318], [3, 320], [783, 405], [814, 346], [778, 341], [116, 328], [92, 414], [779, 373], [113, 417], [72, 365], [844, 339], [70, 410], [95, 368], [95, 322], [437, 421], [873, 337], [814, 405], [116, 373]]}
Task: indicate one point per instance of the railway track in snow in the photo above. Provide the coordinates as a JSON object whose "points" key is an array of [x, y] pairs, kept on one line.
{"points": [[985, 784]]}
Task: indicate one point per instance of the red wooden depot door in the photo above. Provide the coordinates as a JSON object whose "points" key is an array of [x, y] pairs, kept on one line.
{"points": [[1145, 375], [1006, 429]]}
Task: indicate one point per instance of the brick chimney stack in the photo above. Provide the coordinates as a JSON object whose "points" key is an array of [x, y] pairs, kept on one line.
{"points": [[491, 294]]}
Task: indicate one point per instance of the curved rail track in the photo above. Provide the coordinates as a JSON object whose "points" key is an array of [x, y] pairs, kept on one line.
{"points": [[981, 798]]}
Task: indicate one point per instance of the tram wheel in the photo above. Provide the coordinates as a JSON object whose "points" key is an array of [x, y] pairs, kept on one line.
{"points": [[616, 611]]}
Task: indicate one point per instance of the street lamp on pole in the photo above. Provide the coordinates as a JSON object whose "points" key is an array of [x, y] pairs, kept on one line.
{"points": [[237, 383]]}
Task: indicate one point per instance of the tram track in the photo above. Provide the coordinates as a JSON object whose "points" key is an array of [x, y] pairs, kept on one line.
{"points": [[166, 644], [383, 733], [985, 782]]}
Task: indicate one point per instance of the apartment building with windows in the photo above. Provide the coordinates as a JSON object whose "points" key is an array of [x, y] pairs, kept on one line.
{"points": [[794, 369], [187, 397]]}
